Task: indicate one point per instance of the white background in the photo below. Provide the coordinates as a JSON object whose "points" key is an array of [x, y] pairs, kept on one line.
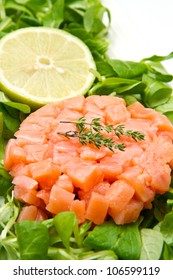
{"points": [[141, 28]]}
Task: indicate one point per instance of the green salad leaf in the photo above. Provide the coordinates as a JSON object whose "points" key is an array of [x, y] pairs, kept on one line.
{"points": [[33, 240], [167, 253], [166, 228], [128, 69], [119, 238], [65, 224], [152, 244]]}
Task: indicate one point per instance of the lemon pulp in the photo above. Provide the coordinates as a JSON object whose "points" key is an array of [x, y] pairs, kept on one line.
{"points": [[40, 65]]}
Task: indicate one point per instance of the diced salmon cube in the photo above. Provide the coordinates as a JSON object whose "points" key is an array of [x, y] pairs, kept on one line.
{"points": [[129, 214], [89, 152], [78, 206], [45, 173], [49, 110], [85, 176], [26, 195], [160, 181], [65, 183], [44, 195], [104, 101], [74, 103], [100, 188], [34, 153], [110, 169], [137, 110], [19, 169], [116, 114], [97, 208], [60, 200], [139, 181], [41, 215], [8, 160], [119, 195], [25, 137], [28, 213], [25, 182]]}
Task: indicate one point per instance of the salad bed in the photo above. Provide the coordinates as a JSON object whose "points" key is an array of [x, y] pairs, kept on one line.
{"points": [[151, 237]]}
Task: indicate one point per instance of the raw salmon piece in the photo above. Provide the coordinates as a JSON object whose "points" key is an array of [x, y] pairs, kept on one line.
{"points": [[139, 181], [92, 108], [32, 213], [66, 147], [89, 116], [85, 176], [103, 101], [129, 214], [60, 200], [84, 195], [138, 111], [119, 195], [41, 215], [100, 188], [97, 208], [115, 114], [171, 164], [62, 128], [163, 123], [131, 152], [44, 195], [69, 115], [18, 155], [40, 123], [160, 177], [28, 213], [145, 126], [25, 137], [166, 135], [74, 103], [13, 155], [114, 165], [34, 153], [78, 206], [25, 182], [157, 150], [26, 195], [65, 183], [65, 160], [45, 173], [90, 152], [49, 110], [19, 169], [110, 169], [7, 157], [161, 149]]}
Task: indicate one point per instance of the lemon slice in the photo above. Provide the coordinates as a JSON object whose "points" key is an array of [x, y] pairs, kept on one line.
{"points": [[40, 65]]}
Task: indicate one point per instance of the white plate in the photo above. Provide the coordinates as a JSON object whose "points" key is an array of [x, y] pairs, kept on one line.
{"points": [[141, 28]]}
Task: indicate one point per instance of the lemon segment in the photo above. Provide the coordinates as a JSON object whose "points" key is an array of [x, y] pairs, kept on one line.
{"points": [[40, 65]]}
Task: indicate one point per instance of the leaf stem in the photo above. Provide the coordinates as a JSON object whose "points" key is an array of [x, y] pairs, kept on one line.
{"points": [[2, 10]]}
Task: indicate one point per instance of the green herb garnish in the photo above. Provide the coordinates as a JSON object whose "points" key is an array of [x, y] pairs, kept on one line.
{"points": [[91, 133]]}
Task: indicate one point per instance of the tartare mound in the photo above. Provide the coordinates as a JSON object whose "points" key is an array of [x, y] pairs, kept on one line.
{"points": [[53, 173]]}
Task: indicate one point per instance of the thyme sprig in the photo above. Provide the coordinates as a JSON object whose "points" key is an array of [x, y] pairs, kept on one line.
{"points": [[134, 134], [92, 133]]}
